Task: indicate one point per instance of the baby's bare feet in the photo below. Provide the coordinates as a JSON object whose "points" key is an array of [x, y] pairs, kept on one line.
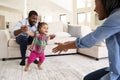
{"points": [[26, 69], [39, 68]]}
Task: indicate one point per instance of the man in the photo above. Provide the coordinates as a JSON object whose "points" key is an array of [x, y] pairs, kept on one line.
{"points": [[22, 38]]}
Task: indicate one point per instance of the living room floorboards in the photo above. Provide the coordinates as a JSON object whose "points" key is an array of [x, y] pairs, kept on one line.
{"points": [[67, 67]]}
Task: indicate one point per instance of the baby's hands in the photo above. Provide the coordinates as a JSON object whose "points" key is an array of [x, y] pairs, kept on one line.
{"points": [[57, 43], [52, 36]]}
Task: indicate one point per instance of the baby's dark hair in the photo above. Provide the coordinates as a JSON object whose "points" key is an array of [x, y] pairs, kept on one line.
{"points": [[40, 24]]}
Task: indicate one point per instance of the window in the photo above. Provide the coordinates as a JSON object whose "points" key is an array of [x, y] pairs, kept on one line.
{"points": [[88, 16], [47, 19], [81, 18], [89, 3], [83, 3], [84, 18], [63, 18], [80, 3]]}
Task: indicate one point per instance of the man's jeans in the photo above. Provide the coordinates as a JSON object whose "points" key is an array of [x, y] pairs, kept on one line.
{"points": [[23, 41]]}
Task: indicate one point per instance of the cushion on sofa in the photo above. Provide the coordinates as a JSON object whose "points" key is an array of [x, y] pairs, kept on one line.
{"points": [[55, 27], [102, 43], [74, 30], [79, 31], [62, 34], [60, 40], [12, 43]]}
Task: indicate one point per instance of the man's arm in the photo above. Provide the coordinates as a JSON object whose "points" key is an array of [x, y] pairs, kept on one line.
{"points": [[22, 29], [16, 32]]}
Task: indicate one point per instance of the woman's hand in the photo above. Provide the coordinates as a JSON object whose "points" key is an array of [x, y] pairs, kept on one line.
{"points": [[59, 48], [64, 46]]}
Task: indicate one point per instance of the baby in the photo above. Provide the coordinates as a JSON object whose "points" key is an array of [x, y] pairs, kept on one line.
{"points": [[38, 46]]}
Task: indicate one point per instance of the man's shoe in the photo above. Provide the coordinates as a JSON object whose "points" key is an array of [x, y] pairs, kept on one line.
{"points": [[36, 62], [22, 63]]}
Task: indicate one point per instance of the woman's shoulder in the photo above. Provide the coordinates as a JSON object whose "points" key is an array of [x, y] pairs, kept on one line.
{"points": [[113, 19]]}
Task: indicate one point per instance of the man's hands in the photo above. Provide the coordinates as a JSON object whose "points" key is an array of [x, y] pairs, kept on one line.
{"points": [[24, 28]]}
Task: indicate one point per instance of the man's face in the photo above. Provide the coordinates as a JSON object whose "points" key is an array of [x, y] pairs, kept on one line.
{"points": [[33, 19]]}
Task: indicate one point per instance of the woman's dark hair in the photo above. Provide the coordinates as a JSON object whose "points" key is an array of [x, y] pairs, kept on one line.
{"points": [[110, 5], [40, 24], [32, 13]]}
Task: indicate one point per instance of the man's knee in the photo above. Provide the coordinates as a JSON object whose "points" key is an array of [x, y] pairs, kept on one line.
{"points": [[22, 40]]}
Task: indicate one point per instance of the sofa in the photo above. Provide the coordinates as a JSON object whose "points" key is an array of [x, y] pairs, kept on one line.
{"points": [[10, 49], [98, 51]]}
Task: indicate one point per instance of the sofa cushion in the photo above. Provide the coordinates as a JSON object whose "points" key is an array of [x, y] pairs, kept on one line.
{"points": [[55, 27], [74, 30], [12, 43], [79, 31], [62, 34], [102, 43], [60, 40]]}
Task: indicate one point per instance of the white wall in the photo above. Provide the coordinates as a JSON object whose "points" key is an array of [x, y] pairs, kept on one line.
{"points": [[16, 4], [48, 8], [66, 4], [14, 9], [11, 15]]}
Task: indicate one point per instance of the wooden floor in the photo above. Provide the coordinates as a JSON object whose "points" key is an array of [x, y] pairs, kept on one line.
{"points": [[70, 67]]}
